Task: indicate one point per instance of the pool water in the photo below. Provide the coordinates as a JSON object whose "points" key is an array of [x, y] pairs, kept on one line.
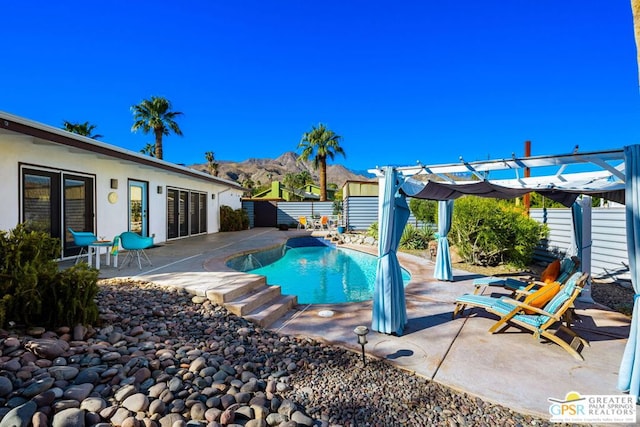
{"points": [[322, 274]]}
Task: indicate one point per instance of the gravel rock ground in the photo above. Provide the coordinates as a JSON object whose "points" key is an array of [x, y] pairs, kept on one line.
{"points": [[616, 295], [164, 358]]}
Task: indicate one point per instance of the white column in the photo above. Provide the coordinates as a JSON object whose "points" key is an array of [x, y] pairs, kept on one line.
{"points": [[381, 200]]}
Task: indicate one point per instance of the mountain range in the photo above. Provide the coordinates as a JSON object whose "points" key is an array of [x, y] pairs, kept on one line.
{"points": [[262, 171]]}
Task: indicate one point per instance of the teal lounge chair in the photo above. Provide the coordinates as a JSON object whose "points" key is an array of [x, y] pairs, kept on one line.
{"points": [[500, 303], [568, 266], [511, 312]]}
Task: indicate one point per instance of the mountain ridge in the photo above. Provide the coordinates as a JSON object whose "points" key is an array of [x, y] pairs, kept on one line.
{"points": [[264, 170]]}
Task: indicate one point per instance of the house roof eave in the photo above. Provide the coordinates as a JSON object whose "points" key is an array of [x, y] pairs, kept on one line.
{"points": [[51, 134]]}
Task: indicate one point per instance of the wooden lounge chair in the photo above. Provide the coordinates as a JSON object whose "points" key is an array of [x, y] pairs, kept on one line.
{"points": [[568, 266], [512, 312], [487, 301]]}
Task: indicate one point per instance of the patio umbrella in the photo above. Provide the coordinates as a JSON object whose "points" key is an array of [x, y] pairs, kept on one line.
{"points": [[629, 376], [389, 306], [442, 269]]}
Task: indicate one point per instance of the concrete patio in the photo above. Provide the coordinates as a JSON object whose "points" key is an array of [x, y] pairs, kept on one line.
{"points": [[510, 368]]}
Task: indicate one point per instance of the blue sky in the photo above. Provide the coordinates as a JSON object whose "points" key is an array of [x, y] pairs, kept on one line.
{"points": [[400, 81]]}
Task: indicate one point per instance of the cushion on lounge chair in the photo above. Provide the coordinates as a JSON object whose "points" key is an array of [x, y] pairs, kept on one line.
{"points": [[567, 268], [564, 294], [542, 296], [489, 280], [551, 273], [476, 300], [552, 306]]}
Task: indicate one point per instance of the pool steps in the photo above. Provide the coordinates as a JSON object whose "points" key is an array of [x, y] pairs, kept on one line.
{"points": [[240, 284], [247, 303], [248, 296], [267, 314]]}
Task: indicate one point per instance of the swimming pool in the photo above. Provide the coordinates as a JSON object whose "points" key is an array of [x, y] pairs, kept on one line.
{"points": [[316, 272]]}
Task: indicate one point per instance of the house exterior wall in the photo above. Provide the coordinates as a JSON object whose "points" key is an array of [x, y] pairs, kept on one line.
{"points": [[111, 216], [9, 172], [360, 188]]}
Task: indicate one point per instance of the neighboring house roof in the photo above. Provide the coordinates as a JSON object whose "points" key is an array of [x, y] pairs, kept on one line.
{"points": [[314, 189], [24, 126], [278, 191]]}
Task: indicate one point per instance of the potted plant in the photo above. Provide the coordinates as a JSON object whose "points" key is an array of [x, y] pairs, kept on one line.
{"points": [[337, 211]]}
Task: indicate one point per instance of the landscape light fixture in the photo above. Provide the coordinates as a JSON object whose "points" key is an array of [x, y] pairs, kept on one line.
{"points": [[361, 332]]}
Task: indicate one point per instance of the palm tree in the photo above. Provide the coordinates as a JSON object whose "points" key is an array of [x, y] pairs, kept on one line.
{"points": [[305, 177], [84, 129], [320, 143], [290, 180], [635, 9], [211, 162], [149, 150], [155, 115]]}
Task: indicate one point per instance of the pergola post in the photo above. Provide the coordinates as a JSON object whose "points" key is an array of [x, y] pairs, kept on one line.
{"points": [[585, 261]]}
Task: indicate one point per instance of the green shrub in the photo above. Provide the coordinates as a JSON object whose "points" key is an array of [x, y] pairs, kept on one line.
{"points": [[233, 220], [491, 232], [412, 237], [33, 291], [424, 210], [416, 237], [73, 293], [372, 231]]}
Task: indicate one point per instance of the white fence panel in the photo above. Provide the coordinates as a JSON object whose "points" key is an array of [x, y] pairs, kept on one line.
{"points": [[609, 257]]}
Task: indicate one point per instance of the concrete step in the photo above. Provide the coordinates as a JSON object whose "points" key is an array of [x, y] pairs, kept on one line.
{"points": [[266, 314], [234, 288], [249, 302]]}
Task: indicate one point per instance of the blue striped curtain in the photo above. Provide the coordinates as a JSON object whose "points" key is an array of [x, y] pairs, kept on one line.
{"points": [[629, 376], [576, 214], [389, 305], [443, 269]]}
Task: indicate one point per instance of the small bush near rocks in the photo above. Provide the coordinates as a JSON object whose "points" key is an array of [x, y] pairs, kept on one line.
{"points": [[372, 231], [34, 291], [414, 238]]}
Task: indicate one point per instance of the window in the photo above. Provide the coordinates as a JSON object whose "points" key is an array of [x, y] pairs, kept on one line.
{"points": [[54, 200], [186, 213]]}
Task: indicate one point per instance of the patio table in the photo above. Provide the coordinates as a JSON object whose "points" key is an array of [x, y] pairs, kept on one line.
{"points": [[95, 249]]}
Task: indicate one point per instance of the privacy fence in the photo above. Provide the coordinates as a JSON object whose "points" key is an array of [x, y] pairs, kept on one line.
{"points": [[609, 257], [358, 213], [608, 229]]}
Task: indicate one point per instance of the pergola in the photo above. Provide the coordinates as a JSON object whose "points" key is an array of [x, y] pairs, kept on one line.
{"points": [[612, 174]]}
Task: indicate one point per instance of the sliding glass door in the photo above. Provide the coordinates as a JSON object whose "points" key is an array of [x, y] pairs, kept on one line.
{"points": [[53, 201], [78, 208], [186, 213], [198, 213], [41, 201]]}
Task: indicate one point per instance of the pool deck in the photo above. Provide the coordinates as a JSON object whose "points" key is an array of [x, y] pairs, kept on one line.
{"points": [[510, 368]]}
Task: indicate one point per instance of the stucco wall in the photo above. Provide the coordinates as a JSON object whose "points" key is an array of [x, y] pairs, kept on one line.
{"points": [[111, 218]]}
